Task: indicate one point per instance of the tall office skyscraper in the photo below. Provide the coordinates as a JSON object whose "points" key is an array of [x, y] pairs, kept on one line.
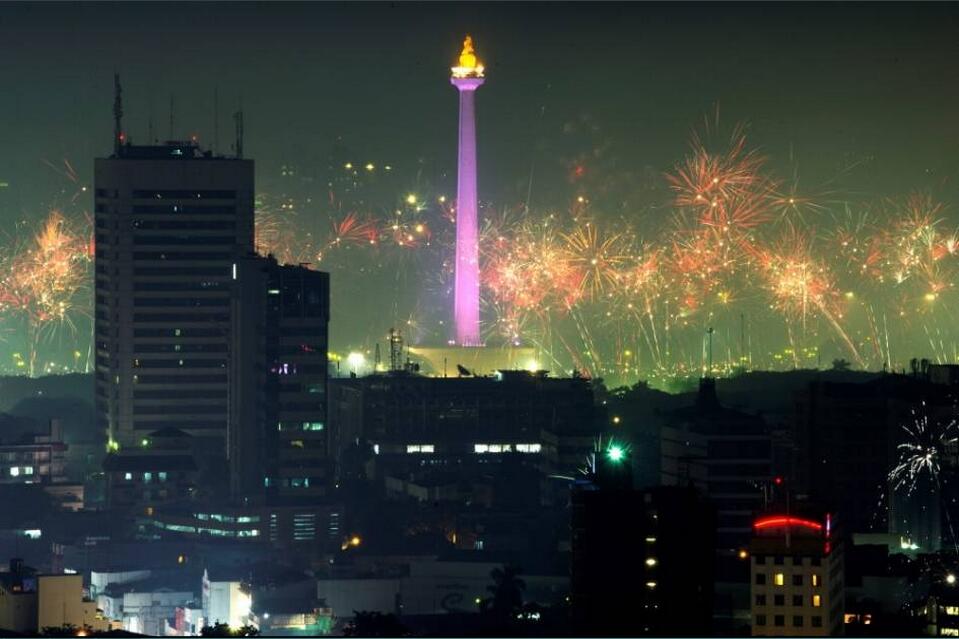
{"points": [[171, 224], [278, 439]]}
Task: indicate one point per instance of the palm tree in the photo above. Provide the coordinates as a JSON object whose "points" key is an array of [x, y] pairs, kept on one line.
{"points": [[507, 593]]}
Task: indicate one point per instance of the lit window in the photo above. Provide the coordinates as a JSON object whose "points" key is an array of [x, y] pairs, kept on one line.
{"points": [[817, 601], [376, 449], [162, 475], [779, 579], [650, 540], [949, 632], [420, 448], [651, 585], [312, 425], [14, 471], [296, 443], [28, 470], [128, 476], [495, 448], [147, 478], [650, 561], [815, 580], [480, 448]]}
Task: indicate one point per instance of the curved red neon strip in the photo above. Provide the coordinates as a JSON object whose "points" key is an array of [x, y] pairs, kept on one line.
{"points": [[773, 522]]}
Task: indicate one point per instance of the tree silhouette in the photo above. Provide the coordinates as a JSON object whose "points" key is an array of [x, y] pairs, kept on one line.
{"points": [[506, 600], [840, 365], [221, 629]]}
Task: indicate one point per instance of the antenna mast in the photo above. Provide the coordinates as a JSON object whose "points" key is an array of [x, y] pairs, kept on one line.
{"points": [[238, 119], [709, 337], [117, 113], [396, 350], [216, 119]]}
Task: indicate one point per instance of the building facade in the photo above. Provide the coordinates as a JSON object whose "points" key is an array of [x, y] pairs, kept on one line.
{"points": [[796, 577], [171, 223]]}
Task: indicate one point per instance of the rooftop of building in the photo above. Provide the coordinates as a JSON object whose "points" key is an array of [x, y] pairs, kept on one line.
{"points": [[176, 150], [137, 461]]}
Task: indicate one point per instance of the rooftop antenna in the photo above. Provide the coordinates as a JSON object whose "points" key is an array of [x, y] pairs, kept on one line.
{"points": [[216, 119], [150, 138], [238, 120], [396, 350], [709, 341], [170, 137], [376, 358], [117, 113]]}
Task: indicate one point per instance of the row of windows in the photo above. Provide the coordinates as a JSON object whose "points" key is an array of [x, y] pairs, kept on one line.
{"points": [[178, 225], [179, 409], [178, 348], [179, 285], [286, 482], [191, 302], [294, 426], [179, 363], [180, 209], [178, 332], [180, 393], [193, 424], [798, 620], [229, 519], [781, 560], [302, 407], [147, 477], [779, 579], [797, 600], [176, 256], [185, 380], [193, 194], [180, 317], [312, 389], [177, 271], [183, 240]]}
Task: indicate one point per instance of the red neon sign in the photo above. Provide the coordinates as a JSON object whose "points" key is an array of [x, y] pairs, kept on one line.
{"points": [[778, 522]]}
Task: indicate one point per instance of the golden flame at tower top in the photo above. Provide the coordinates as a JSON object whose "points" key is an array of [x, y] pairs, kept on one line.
{"points": [[469, 65]]}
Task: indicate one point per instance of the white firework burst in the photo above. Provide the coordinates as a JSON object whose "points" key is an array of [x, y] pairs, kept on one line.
{"points": [[920, 456]]}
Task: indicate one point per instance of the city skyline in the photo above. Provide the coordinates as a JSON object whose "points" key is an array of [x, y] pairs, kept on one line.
{"points": [[573, 153]]}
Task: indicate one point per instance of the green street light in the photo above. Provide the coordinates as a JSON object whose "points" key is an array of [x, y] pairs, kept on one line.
{"points": [[615, 453]]}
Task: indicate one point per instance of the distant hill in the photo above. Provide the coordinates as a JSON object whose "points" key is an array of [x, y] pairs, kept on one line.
{"points": [[28, 404], [15, 389]]}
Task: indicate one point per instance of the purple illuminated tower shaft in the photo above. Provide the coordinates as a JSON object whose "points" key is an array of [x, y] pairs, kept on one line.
{"points": [[466, 313]]}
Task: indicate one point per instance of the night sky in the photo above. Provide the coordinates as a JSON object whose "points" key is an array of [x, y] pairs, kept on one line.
{"points": [[859, 97]]}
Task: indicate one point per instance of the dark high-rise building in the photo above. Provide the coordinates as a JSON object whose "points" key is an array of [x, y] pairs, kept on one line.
{"points": [[171, 224], [415, 423], [279, 450], [642, 560]]}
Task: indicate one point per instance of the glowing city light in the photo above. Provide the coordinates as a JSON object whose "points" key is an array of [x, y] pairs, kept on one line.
{"points": [[782, 522], [615, 453]]}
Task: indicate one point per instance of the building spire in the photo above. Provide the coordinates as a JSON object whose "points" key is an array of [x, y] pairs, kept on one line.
{"points": [[117, 114]]}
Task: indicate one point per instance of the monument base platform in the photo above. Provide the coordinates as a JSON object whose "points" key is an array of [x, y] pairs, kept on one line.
{"points": [[441, 361]]}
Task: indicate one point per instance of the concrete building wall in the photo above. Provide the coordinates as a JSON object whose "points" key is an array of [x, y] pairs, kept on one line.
{"points": [[60, 601], [18, 612]]}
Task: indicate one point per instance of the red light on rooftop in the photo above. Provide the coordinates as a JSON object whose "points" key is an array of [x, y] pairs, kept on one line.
{"points": [[780, 522], [778, 481]]}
